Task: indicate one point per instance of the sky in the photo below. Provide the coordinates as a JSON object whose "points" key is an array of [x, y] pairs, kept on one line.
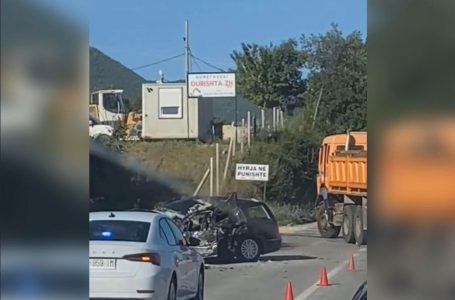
{"points": [[140, 32]]}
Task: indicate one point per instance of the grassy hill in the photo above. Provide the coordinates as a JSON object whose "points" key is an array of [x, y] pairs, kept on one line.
{"points": [[106, 72]]}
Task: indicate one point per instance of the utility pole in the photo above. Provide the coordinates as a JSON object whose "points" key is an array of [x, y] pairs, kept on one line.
{"points": [[317, 107], [187, 70], [187, 51], [249, 129]]}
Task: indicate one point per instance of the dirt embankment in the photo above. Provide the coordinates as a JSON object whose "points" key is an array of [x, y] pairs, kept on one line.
{"points": [[186, 161]]}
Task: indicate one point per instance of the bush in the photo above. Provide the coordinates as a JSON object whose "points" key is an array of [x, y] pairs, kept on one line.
{"points": [[292, 164], [289, 214]]}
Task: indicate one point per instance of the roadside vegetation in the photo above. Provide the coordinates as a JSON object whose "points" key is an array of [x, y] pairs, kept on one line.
{"points": [[331, 99]]}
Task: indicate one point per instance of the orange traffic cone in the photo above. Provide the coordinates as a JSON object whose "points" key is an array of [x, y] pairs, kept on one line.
{"points": [[351, 265], [288, 294], [323, 281]]}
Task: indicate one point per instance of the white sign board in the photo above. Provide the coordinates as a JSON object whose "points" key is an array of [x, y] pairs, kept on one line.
{"points": [[252, 172], [208, 85]]}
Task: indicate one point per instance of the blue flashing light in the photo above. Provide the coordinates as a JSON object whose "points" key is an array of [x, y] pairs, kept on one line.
{"points": [[106, 234]]}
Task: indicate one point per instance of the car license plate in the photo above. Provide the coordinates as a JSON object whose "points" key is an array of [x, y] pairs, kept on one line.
{"points": [[102, 263]]}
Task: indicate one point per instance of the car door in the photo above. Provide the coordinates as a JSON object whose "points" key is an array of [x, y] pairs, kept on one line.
{"points": [[230, 207], [261, 223], [178, 257], [189, 264]]}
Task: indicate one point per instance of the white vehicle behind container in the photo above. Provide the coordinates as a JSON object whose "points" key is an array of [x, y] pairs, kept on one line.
{"points": [[99, 131]]}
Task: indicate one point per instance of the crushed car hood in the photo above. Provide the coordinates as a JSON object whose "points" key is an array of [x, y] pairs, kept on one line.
{"points": [[217, 219], [227, 207]]}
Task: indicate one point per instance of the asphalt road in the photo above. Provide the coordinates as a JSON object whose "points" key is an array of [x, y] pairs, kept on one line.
{"points": [[299, 261]]}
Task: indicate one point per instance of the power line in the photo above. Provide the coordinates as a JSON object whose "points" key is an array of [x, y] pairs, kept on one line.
{"points": [[208, 64], [198, 66], [158, 62], [193, 61]]}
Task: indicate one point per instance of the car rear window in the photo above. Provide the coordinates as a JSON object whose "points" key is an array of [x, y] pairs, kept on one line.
{"points": [[257, 212], [127, 231]]}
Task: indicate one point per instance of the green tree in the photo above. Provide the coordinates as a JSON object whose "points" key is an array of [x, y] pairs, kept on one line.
{"points": [[337, 81], [270, 75]]}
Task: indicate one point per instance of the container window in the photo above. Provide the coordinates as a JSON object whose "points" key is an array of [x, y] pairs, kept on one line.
{"points": [[170, 103], [170, 110]]}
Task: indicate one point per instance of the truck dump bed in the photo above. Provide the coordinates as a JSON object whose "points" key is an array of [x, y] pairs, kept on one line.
{"points": [[341, 171], [347, 173]]}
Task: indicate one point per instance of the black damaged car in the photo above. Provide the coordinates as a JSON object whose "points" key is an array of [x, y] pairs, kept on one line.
{"points": [[226, 227]]}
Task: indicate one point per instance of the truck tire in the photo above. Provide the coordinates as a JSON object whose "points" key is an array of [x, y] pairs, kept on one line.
{"points": [[348, 223], [103, 139], [326, 230], [359, 232]]}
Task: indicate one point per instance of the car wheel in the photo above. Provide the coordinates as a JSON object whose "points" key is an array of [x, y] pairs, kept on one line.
{"points": [[200, 286], [172, 293], [348, 223], [248, 249]]}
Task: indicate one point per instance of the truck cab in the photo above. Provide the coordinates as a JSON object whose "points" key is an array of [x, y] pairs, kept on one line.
{"points": [[108, 106]]}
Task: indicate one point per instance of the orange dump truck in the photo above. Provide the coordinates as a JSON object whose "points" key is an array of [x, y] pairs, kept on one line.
{"points": [[342, 187]]}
